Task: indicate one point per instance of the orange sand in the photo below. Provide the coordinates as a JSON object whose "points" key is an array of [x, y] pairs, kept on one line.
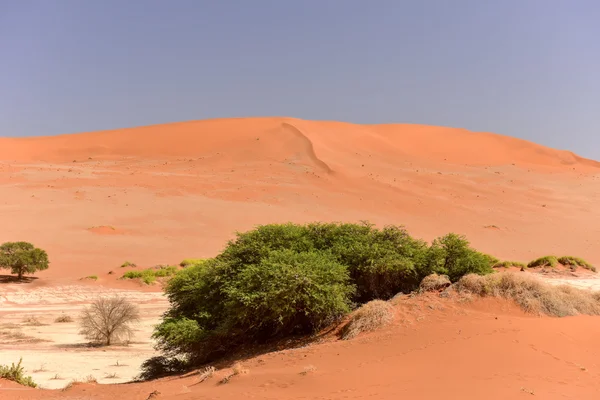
{"points": [[158, 194]]}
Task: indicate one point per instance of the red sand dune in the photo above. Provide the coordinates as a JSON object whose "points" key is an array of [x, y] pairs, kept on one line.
{"points": [[488, 350], [181, 190]]}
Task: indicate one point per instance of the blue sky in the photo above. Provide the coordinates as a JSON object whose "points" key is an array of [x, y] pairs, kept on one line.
{"points": [[525, 68]]}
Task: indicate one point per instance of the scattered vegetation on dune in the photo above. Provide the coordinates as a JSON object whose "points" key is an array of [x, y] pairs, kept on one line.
{"points": [[510, 264], [547, 261], [287, 279], [15, 373], [190, 262], [281, 280], [576, 262], [369, 317], [149, 276], [128, 264], [532, 294]]}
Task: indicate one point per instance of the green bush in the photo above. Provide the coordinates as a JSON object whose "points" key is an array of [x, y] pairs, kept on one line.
{"points": [[547, 261], [380, 262], [284, 279], [452, 255], [286, 293], [15, 373], [22, 258], [576, 262], [188, 262], [508, 264], [128, 264], [148, 276]]}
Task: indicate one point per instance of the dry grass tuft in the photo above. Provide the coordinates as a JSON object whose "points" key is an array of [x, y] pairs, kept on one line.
{"points": [[308, 369], [533, 295], [434, 282], [207, 373], [32, 321], [371, 316], [64, 318], [237, 369]]}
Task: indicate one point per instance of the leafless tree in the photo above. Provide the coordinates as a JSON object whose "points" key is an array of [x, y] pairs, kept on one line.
{"points": [[108, 320]]}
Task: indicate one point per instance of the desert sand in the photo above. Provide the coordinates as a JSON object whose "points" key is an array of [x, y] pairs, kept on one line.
{"points": [[158, 194]]}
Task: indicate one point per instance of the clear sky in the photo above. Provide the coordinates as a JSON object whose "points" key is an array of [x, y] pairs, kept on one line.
{"points": [[525, 68]]}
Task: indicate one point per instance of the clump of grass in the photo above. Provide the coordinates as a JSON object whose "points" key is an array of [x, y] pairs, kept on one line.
{"points": [[547, 261], [207, 373], [189, 262], [92, 277], [112, 376], [509, 264], [237, 369], [576, 262], [371, 316], [15, 373], [56, 377], [533, 295], [434, 282], [64, 318], [308, 369], [128, 264], [32, 321], [148, 276]]}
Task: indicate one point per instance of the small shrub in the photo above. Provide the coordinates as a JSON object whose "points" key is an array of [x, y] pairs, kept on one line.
{"points": [[15, 373], [64, 318], [111, 376], [532, 294], [128, 264], [371, 316], [547, 261], [149, 276], [434, 282], [509, 264], [32, 321], [189, 262], [107, 320], [576, 262]]}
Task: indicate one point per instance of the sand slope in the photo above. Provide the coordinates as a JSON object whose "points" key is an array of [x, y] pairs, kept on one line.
{"points": [[160, 193], [434, 349]]}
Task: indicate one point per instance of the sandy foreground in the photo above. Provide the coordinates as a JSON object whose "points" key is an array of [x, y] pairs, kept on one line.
{"points": [[155, 195]]}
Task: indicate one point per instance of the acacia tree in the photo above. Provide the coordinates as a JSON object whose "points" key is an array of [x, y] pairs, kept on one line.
{"points": [[108, 319], [22, 258]]}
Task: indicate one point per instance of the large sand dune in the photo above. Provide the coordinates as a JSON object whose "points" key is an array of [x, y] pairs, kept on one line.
{"points": [[160, 193]]}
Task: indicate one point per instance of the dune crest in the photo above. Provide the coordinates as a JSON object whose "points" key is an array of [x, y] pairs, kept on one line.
{"points": [[319, 142]]}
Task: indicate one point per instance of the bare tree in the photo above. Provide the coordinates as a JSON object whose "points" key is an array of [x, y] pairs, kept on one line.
{"points": [[108, 320]]}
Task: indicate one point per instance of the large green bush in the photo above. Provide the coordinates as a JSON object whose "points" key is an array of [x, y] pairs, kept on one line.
{"points": [[283, 279], [452, 255], [287, 292]]}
